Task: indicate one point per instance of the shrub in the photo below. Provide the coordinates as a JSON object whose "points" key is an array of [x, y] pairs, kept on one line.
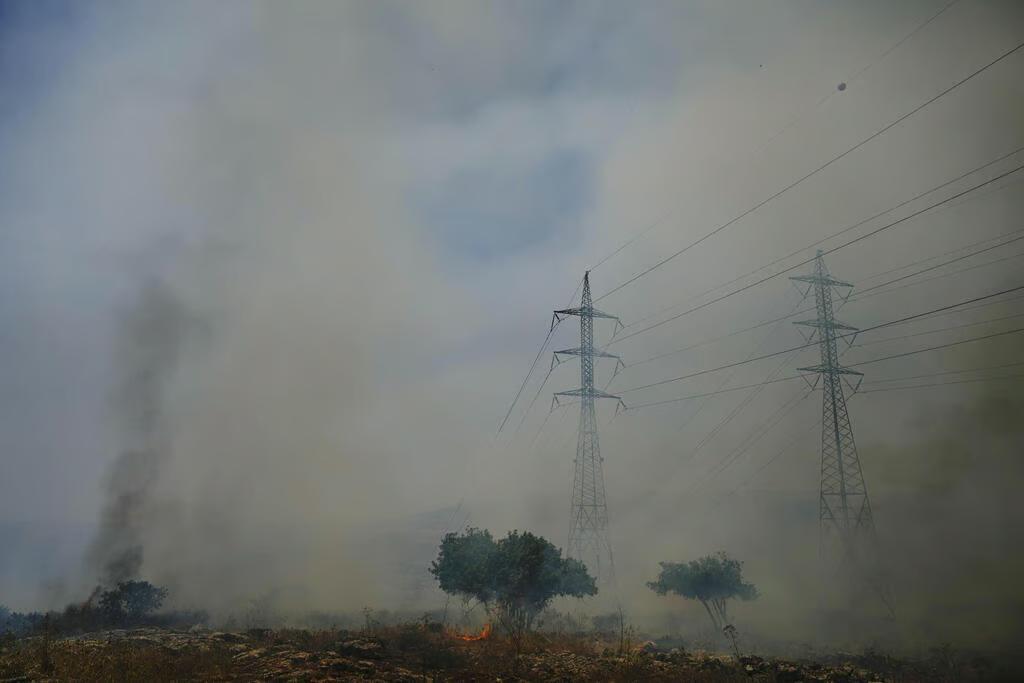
{"points": [[515, 577], [131, 601], [711, 580]]}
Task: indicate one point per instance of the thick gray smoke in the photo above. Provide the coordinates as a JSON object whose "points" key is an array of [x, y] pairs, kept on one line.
{"points": [[147, 353], [951, 503], [372, 209]]}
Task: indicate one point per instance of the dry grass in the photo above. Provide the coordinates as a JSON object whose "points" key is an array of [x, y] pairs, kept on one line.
{"points": [[116, 661], [416, 651]]}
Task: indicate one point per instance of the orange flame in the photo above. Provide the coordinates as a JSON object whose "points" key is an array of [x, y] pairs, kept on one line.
{"points": [[483, 635]]}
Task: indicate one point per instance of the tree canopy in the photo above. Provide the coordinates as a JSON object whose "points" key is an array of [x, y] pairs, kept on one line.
{"points": [[129, 603], [711, 580], [132, 600], [515, 577]]}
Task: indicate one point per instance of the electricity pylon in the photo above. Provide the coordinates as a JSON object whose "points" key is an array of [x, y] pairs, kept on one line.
{"points": [[844, 509], [588, 534]]}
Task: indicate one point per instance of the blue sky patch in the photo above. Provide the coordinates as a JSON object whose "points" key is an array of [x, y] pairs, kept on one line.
{"points": [[485, 212]]}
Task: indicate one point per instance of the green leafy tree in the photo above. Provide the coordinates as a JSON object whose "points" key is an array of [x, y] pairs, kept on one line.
{"points": [[515, 577], [712, 580], [464, 563], [130, 601], [529, 573]]}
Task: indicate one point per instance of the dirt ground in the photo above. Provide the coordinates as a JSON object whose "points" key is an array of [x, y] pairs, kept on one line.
{"points": [[426, 652]]}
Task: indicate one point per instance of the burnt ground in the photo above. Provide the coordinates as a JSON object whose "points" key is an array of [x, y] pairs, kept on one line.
{"points": [[419, 652]]}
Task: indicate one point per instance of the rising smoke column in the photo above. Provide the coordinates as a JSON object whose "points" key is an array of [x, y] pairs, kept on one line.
{"points": [[147, 353]]}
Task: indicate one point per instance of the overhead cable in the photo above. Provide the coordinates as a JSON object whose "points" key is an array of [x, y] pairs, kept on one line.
{"points": [[817, 170]]}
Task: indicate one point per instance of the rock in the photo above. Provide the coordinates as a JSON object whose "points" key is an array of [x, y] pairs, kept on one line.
{"points": [[293, 656], [362, 647]]}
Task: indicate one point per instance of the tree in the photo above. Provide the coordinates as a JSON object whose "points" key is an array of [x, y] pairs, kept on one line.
{"points": [[131, 600], [712, 580], [464, 563], [515, 577], [529, 572]]}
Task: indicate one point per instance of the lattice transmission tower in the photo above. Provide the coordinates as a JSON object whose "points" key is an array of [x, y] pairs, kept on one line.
{"points": [[846, 523], [588, 534]]}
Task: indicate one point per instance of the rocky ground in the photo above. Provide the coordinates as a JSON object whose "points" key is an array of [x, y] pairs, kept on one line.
{"points": [[415, 653]]}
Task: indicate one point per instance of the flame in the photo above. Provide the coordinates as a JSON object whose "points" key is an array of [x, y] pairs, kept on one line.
{"points": [[484, 634]]}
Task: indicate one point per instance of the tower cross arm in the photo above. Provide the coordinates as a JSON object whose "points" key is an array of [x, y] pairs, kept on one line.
{"points": [[593, 393], [593, 312], [838, 370], [831, 324], [579, 352], [556, 358], [821, 279]]}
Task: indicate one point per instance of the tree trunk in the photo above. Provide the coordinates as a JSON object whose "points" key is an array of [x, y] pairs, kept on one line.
{"points": [[714, 619]]}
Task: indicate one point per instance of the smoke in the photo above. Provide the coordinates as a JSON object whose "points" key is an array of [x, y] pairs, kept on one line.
{"points": [[950, 502], [338, 232], [149, 348]]}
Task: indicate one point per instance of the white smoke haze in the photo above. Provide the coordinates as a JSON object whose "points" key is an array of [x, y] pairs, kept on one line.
{"points": [[273, 273]]}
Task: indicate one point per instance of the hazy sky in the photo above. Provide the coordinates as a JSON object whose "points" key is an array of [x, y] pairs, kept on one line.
{"points": [[300, 255]]}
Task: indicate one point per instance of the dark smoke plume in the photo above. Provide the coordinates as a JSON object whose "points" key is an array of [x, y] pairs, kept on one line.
{"points": [[148, 351]]}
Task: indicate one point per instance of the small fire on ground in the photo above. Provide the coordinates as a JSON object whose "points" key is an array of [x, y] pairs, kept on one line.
{"points": [[484, 634]]}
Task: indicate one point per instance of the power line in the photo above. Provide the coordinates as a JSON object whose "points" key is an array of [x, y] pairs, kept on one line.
{"points": [[853, 299], [817, 170], [565, 405], [526, 379], [533, 400], [943, 264], [713, 393], [739, 408], [782, 130], [543, 424], [761, 430], [894, 379], [801, 433], [789, 444], [958, 271], [904, 39], [809, 260], [804, 346], [832, 92], [790, 378], [943, 329], [935, 348], [655, 223], [997, 238], [747, 443], [944, 372], [974, 308], [589, 540], [834, 235], [986, 193], [844, 506], [941, 384], [533, 365], [540, 389]]}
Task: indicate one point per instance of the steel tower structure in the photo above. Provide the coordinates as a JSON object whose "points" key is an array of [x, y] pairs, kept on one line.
{"points": [[588, 534], [844, 509]]}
